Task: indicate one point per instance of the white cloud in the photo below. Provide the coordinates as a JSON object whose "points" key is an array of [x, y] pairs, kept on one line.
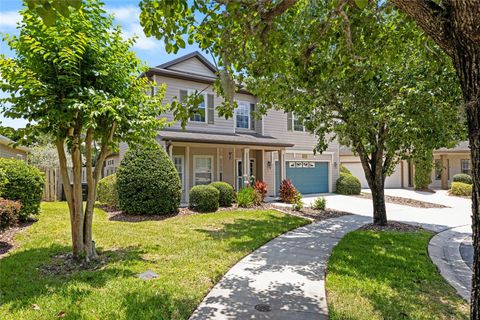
{"points": [[129, 18], [9, 18]]}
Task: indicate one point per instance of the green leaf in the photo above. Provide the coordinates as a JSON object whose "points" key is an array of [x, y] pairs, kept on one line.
{"points": [[48, 16], [361, 3], [77, 4]]}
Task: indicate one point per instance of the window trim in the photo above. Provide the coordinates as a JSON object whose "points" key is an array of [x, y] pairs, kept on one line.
{"points": [[462, 161], [205, 100], [293, 124], [197, 156], [248, 114]]}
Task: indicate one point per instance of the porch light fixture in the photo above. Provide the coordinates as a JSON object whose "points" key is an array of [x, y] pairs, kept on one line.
{"points": [[269, 164], [229, 156], [335, 164]]}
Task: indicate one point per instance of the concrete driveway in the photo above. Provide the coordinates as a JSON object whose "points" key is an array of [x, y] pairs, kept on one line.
{"points": [[458, 213], [450, 250]]}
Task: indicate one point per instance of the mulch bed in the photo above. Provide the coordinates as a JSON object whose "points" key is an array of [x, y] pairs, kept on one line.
{"points": [[404, 201], [311, 214], [392, 226], [7, 242]]}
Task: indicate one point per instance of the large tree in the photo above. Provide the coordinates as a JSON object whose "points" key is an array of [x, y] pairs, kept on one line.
{"points": [[453, 24], [78, 82]]}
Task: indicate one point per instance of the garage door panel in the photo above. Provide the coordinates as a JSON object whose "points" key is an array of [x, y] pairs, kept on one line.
{"points": [[391, 182], [307, 180]]}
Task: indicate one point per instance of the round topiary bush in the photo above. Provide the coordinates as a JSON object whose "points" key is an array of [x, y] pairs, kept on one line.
{"points": [[204, 198], [107, 191], [227, 193], [23, 183], [147, 182], [463, 178], [348, 184]]}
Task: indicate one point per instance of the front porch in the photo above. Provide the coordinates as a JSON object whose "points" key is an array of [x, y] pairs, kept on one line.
{"points": [[203, 162]]}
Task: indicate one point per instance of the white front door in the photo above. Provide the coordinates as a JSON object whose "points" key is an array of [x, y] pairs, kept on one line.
{"points": [[240, 182]]}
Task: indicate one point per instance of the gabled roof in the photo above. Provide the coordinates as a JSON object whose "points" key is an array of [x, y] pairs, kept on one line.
{"points": [[194, 54]]}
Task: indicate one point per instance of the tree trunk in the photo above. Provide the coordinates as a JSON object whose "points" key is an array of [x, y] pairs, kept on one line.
{"points": [[374, 173], [467, 64], [379, 209]]}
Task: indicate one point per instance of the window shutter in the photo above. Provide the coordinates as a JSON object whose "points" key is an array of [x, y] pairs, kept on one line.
{"points": [[289, 121], [252, 116], [183, 94], [210, 109]]}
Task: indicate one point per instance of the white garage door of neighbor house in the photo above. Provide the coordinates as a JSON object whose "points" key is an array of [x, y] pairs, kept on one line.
{"points": [[392, 182]]}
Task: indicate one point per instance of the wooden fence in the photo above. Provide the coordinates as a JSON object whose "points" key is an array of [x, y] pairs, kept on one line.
{"points": [[50, 189]]}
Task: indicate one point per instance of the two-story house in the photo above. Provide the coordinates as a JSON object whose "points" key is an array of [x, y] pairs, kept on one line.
{"points": [[212, 148]]}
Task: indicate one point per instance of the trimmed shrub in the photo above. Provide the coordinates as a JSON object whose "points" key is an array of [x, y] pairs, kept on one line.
{"points": [[204, 198], [298, 202], [9, 213], [423, 170], [461, 189], [248, 197], [227, 193], [319, 203], [147, 182], [288, 192], [107, 191], [344, 170], [24, 184], [463, 178], [348, 184], [261, 188]]}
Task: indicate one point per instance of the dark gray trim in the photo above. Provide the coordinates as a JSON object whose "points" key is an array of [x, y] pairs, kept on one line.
{"points": [[194, 54]]}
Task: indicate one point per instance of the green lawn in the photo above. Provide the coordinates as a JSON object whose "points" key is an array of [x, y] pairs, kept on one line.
{"points": [[388, 275], [190, 254]]}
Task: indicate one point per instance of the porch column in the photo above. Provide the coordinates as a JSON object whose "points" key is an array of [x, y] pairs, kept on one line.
{"points": [[281, 166], [170, 149], [234, 166], [218, 164], [262, 165], [187, 173], [246, 166], [443, 160]]}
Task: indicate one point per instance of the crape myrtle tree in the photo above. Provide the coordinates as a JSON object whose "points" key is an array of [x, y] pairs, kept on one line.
{"points": [[237, 27], [78, 82]]}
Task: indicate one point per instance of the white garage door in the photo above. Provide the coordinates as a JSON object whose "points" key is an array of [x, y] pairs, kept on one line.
{"points": [[392, 182]]}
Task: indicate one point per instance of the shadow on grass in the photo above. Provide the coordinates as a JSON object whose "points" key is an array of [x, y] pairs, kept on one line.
{"points": [[245, 234], [23, 278], [393, 272]]}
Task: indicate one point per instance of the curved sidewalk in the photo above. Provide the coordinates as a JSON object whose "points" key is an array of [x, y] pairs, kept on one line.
{"points": [[284, 279], [444, 250]]}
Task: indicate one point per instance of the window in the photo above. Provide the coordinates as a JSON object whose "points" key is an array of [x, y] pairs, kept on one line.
{"points": [[465, 163], [298, 124], [203, 169], [201, 115], [438, 169], [178, 162], [242, 115], [110, 162]]}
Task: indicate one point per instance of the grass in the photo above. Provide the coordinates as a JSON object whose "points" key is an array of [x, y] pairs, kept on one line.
{"points": [[388, 275], [189, 253]]}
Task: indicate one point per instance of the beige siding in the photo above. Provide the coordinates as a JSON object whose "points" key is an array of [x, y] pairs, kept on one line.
{"points": [[9, 152], [192, 66], [454, 167], [173, 92]]}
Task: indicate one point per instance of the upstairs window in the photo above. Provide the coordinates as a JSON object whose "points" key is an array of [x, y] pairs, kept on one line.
{"points": [[242, 115], [201, 115], [298, 124]]}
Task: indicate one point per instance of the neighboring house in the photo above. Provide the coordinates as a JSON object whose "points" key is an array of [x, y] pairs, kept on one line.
{"points": [[7, 150], [212, 148], [111, 163], [448, 162], [401, 177]]}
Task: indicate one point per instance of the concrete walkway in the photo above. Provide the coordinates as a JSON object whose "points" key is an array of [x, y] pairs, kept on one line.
{"points": [[444, 250], [284, 279]]}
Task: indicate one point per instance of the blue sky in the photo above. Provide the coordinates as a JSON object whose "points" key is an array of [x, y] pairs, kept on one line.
{"points": [[126, 12]]}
